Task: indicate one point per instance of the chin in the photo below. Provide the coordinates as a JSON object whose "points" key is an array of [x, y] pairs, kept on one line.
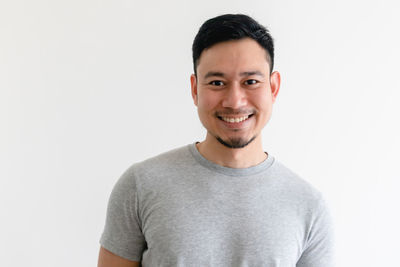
{"points": [[235, 143]]}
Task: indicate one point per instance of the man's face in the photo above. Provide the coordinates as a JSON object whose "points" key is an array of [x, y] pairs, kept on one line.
{"points": [[234, 91]]}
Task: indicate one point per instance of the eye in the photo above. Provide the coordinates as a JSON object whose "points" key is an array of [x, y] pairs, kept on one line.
{"points": [[250, 82], [217, 83]]}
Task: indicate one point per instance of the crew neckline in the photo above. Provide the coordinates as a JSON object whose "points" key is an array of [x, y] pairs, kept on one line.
{"points": [[263, 166]]}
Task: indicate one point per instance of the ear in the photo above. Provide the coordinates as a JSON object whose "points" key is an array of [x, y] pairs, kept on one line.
{"points": [[275, 82], [193, 82]]}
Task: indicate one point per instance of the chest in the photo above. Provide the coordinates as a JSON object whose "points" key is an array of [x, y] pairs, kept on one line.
{"points": [[236, 226]]}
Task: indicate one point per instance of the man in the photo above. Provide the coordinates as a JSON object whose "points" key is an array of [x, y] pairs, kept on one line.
{"points": [[223, 201]]}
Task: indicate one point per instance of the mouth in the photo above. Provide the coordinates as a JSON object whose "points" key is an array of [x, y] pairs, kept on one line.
{"points": [[235, 119]]}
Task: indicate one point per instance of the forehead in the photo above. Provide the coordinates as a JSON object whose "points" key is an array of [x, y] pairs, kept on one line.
{"points": [[234, 56]]}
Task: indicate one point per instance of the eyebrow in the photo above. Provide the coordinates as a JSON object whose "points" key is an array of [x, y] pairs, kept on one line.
{"points": [[213, 73], [243, 74], [250, 73]]}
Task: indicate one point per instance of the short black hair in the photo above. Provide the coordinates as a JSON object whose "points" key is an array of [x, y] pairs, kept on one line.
{"points": [[231, 27]]}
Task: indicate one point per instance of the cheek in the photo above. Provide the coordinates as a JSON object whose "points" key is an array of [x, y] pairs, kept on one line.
{"points": [[263, 104], [207, 102], [260, 99]]}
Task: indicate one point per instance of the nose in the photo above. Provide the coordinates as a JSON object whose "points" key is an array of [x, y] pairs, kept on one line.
{"points": [[235, 97]]}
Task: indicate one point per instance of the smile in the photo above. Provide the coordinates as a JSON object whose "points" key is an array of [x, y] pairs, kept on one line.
{"points": [[234, 120]]}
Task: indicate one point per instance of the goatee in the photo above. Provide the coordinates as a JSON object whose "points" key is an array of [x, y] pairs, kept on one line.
{"points": [[235, 142]]}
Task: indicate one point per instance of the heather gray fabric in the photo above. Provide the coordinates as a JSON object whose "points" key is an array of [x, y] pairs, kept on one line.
{"points": [[179, 209]]}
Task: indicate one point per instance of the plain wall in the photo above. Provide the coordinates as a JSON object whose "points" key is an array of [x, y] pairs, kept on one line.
{"points": [[89, 87]]}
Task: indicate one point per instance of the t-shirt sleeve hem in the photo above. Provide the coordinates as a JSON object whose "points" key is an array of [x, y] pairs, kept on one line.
{"points": [[119, 251]]}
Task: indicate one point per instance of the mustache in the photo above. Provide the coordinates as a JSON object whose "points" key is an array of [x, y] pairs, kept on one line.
{"points": [[230, 111]]}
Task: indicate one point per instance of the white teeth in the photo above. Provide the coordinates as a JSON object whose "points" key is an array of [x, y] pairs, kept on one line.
{"points": [[235, 119]]}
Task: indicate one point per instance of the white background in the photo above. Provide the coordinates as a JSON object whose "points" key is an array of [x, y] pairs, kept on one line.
{"points": [[89, 87]]}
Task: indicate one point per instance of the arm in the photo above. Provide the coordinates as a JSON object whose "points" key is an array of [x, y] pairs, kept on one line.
{"points": [[122, 242], [108, 259], [319, 250]]}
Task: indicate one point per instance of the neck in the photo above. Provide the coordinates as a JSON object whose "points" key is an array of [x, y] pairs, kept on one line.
{"points": [[248, 156]]}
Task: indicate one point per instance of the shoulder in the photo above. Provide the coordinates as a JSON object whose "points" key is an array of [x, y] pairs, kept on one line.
{"points": [[162, 165], [166, 161], [301, 197], [294, 186]]}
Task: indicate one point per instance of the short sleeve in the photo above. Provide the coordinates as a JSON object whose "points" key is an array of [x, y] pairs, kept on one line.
{"points": [[319, 249], [122, 233]]}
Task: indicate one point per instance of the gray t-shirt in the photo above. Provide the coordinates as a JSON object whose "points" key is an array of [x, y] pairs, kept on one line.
{"points": [[179, 209]]}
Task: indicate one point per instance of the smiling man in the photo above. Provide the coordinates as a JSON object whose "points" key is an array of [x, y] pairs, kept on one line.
{"points": [[223, 201], [234, 92]]}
